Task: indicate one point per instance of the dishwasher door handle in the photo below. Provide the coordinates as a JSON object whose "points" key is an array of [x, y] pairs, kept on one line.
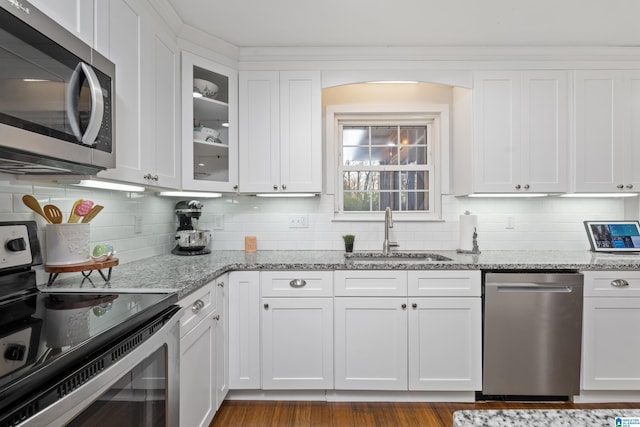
{"points": [[532, 287]]}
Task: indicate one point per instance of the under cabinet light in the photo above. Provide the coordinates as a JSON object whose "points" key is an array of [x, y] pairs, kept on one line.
{"points": [[395, 82], [599, 195], [194, 194], [106, 185], [505, 195], [286, 195]]}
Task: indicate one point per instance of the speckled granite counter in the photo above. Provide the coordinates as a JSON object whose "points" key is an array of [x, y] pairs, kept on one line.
{"points": [[543, 418], [183, 274]]}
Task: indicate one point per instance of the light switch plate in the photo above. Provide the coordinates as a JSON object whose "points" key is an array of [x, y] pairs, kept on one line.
{"points": [[298, 221], [137, 224], [218, 221]]}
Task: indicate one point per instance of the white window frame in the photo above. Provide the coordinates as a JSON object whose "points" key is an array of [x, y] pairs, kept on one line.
{"points": [[436, 115]]}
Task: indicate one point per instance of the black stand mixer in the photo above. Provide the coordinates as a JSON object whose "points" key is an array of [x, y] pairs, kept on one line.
{"points": [[190, 240]]}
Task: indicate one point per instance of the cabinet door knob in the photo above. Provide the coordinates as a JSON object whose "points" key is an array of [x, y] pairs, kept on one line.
{"points": [[284, 187], [518, 187], [629, 186], [235, 187], [266, 306], [221, 284], [414, 305], [197, 306], [526, 186], [297, 283], [275, 188], [404, 306], [620, 186], [619, 283], [216, 317]]}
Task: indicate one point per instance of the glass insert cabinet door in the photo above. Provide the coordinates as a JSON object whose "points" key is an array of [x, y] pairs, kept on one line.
{"points": [[209, 125]]}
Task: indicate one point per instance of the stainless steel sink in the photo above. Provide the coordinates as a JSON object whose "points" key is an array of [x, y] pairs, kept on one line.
{"points": [[395, 256]]}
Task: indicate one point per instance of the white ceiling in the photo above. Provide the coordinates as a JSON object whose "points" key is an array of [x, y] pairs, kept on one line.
{"points": [[356, 23]]}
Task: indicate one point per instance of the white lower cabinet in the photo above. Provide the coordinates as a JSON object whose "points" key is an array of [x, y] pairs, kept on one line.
{"points": [[203, 369], [222, 339], [244, 330], [297, 330], [384, 330], [611, 317], [297, 343], [423, 341], [371, 343], [197, 374], [445, 341]]}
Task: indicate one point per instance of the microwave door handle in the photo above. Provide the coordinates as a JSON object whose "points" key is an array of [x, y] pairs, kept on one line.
{"points": [[73, 100], [97, 104]]}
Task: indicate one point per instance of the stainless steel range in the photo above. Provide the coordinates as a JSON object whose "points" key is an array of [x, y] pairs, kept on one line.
{"points": [[81, 359]]}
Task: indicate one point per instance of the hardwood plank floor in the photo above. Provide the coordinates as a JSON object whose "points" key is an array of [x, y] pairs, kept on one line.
{"points": [[238, 413]]}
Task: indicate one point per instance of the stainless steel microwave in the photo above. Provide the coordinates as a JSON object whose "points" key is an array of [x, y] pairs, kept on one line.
{"points": [[56, 97]]}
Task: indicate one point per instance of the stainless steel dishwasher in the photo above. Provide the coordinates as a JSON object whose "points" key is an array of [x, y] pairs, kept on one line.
{"points": [[532, 334]]}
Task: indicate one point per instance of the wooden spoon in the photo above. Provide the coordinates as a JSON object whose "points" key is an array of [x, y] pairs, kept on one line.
{"points": [[92, 213], [73, 217], [53, 214], [34, 205]]}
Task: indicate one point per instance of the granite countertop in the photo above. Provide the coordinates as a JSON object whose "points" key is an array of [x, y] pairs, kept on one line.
{"points": [[547, 418], [184, 274]]}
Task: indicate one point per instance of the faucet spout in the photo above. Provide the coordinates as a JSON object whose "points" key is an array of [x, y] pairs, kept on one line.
{"points": [[388, 223]]}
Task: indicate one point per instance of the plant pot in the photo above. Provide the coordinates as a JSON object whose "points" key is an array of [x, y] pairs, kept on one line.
{"points": [[348, 247]]}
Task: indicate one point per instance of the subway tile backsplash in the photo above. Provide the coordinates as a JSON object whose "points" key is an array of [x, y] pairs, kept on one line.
{"points": [[550, 223]]}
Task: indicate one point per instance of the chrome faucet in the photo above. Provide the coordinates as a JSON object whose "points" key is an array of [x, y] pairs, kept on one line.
{"points": [[388, 223]]}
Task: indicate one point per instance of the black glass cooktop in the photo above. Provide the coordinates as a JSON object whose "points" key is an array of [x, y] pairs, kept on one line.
{"points": [[42, 334]]}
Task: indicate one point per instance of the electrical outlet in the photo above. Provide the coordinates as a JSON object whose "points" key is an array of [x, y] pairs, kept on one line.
{"points": [[511, 223], [298, 221], [218, 221], [137, 224]]}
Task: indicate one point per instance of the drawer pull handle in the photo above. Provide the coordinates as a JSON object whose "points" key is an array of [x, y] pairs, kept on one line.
{"points": [[619, 283], [297, 283], [197, 306]]}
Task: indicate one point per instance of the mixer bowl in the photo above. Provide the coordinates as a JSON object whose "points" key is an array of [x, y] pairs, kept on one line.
{"points": [[193, 240]]}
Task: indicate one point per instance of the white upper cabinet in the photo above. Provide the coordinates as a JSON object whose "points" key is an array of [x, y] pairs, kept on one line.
{"points": [[280, 132], [518, 141], [209, 125], [74, 15], [146, 105], [607, 131]]}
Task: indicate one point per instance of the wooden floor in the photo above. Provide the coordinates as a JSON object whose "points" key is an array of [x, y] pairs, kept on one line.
{"points": [[319, 414]]}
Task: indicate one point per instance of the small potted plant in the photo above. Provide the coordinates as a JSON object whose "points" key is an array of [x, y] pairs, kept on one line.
{"points": [[348, 242]]}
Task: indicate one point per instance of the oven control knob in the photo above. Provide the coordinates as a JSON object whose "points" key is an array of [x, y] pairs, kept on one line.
{"points": [[15, 352], [17, 245]]}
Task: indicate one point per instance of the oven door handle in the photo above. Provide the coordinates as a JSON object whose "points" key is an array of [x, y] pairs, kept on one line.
{"points": [[73, 103]]}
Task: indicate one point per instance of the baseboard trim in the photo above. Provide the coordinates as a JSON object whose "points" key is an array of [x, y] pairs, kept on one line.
{"points": [[353, 395]]}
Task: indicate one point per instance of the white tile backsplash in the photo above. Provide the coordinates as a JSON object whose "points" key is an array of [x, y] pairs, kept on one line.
{"points": [[550, 223]]}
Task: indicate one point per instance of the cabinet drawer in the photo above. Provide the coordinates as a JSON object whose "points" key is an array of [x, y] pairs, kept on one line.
{"points": [[296, 283], [371, 283], [611, 283], [199, 305], [448, 283]]}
